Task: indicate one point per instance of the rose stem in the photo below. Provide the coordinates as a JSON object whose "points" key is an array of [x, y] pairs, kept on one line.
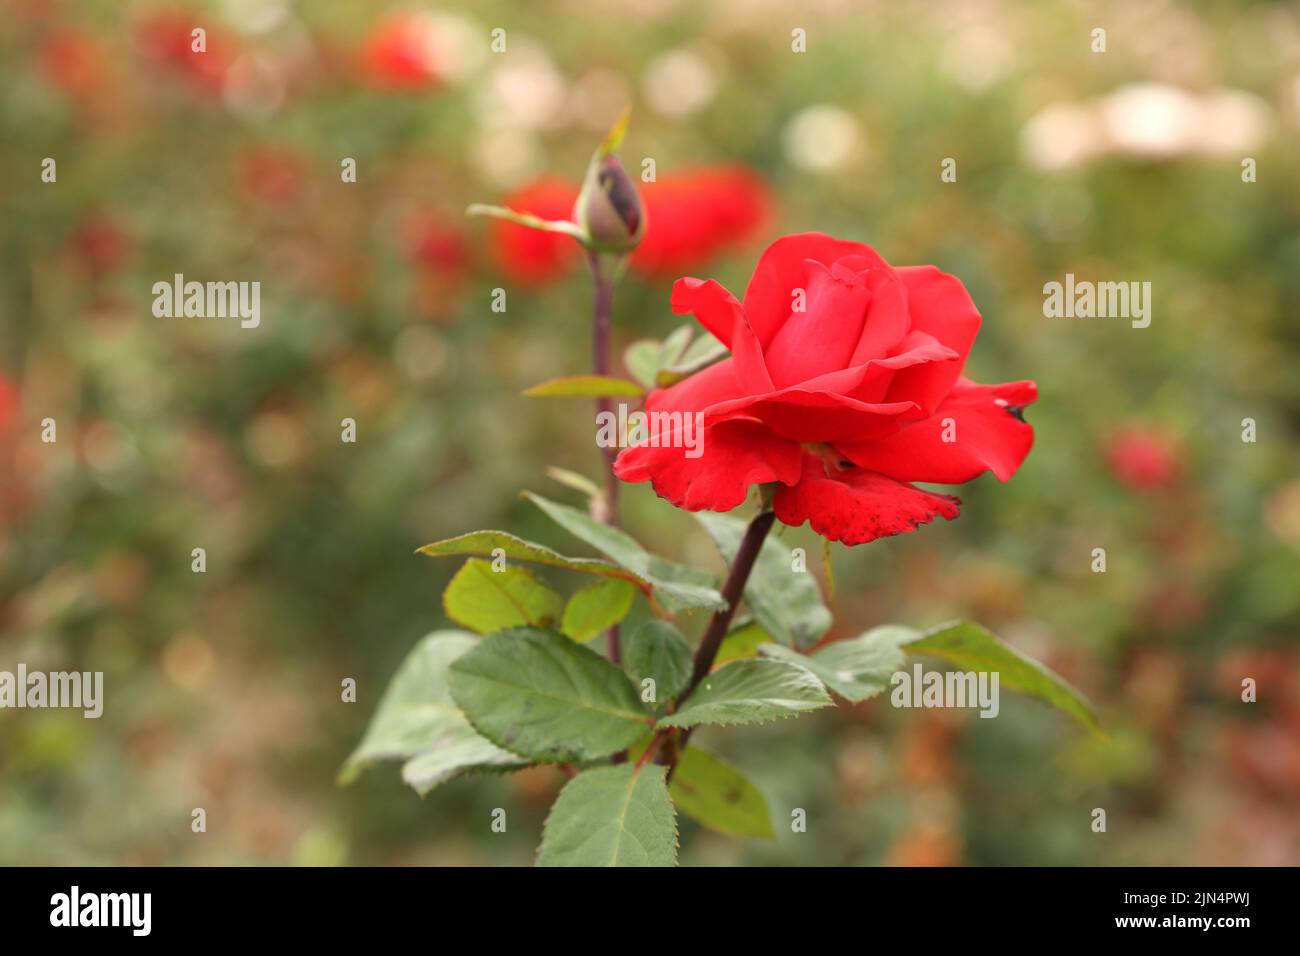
{"points": [[732, 591], [602, 312]]}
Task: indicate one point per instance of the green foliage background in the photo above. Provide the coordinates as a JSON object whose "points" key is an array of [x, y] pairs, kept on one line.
{"points": [[223, 688]]}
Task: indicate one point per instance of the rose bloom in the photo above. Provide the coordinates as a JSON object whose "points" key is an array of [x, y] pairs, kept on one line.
{"points": [[1143, 458], [437, 247], [528, 255], [165, 38], [8, 405], [270, 174], [72, 61], [694, 215], [401, 53], [99, 245], [843, 386], [12, 485]]}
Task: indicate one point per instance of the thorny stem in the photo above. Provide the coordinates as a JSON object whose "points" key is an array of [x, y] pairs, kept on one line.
{"points": [[602, 312], [732, 590]]}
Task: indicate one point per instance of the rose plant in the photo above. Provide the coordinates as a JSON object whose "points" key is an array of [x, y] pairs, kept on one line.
{"points": [[824, 393]]}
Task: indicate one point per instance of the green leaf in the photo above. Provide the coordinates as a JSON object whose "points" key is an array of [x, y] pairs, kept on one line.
{"points": [[973, 648], [584, 386], [571, 479], [417, 719], [786, 603], [675, 344], [612, 816], [657, 650], [563, 226], [750, 692], [718, 796], [651, 361], [491, 544], [597, 607], [703, 351], [642, 361], [679, 586], [856, 669], [540, 695], [741, 642], [485, 600], [715, 794]]}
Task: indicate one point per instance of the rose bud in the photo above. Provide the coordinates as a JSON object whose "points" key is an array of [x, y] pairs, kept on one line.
{"points": [[608, 209], [607, 216]]}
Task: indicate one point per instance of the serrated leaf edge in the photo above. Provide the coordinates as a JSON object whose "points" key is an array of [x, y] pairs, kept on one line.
{"points": [[551, 756], [672, 805]]}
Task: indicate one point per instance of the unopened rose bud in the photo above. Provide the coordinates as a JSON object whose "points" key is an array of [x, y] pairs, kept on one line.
{"points": [[608, 208], [607, 216]]}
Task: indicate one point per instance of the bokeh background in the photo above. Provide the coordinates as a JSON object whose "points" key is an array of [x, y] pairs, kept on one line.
{"points": [[223, 687]]}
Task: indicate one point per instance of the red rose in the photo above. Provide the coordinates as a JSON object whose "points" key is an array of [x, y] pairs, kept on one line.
{"points": [[72, 61], [695, 214], [690, 217], [529, 255], [401, 53], [99, 244], [166, 38], [842, 403], [8, 404], [437, 247], [270, 174], [1143, 458]]}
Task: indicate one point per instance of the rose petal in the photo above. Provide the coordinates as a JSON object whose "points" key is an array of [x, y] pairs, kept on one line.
{"points": [[857, 506], [983, 424], [940, 305], [781, 268], [887, 317], [710, 303], [735, 454], [823, 334], [707, 387], [719, 312], [876, 375], [805, 416]]}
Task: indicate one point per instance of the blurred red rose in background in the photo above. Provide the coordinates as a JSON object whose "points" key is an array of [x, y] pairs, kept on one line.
{"points": [[1143, 457], [8, 405], [270, 174], [71, 61], [166, 39], [401, 53], [691, 217], [436, 247], [99, 244], [843, 386], [11, 489], [694, 215], [530, 255]]}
